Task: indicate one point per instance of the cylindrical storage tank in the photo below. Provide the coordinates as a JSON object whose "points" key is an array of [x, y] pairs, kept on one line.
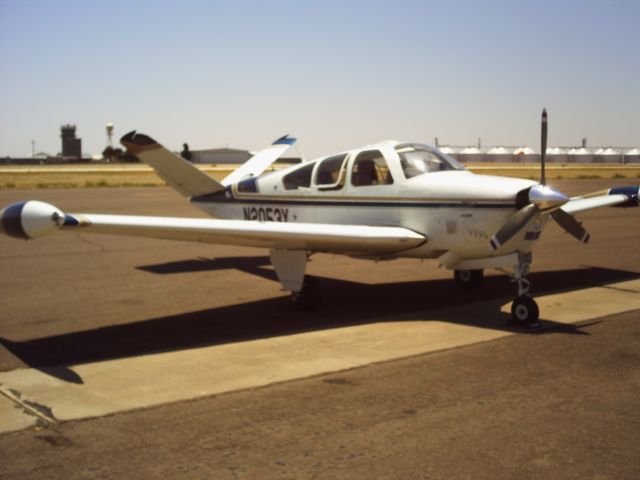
{"points": [[471, 155], [525, 155], [499, 155], [581, 155], [632, 156], [557, 155], [608, 155], [449, 151]]}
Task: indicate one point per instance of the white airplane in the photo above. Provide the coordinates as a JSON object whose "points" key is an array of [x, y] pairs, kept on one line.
{"points": [[382, 201]]}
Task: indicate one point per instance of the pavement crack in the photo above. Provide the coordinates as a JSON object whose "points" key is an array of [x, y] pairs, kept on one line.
{"points": [[40, 408], [55, 440], [91, 243], [29, 407]]}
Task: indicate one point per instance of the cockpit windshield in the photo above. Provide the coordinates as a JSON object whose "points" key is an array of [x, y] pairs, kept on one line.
{"points": [[417, 159]]}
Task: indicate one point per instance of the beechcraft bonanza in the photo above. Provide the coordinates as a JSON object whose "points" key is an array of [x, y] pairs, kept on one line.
{"points": [[382, 201]]}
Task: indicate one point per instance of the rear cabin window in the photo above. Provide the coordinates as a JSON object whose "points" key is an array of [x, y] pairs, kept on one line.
{"points": [[328, 172], [298, 178], [248, 186], [370, 168]]}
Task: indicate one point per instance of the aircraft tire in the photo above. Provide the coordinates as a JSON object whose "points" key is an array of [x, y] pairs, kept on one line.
{"points": [[468, 279], [525, 311]]}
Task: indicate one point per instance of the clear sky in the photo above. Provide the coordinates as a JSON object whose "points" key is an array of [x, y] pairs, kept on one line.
{"points": [[336, 74]]}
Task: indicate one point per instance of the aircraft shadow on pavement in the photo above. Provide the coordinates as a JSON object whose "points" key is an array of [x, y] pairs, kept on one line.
{"points": [[251, 265], [343, 303]]}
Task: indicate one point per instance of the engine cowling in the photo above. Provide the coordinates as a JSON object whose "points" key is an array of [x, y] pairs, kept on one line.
{"points": [[30, 219]]}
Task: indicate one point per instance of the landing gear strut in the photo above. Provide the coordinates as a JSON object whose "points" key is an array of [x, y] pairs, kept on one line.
{"points": [[524, 309], [306, 299]]}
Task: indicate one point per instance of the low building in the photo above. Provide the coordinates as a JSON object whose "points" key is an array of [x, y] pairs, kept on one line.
{"points": [[230, 156], [220, 156]]}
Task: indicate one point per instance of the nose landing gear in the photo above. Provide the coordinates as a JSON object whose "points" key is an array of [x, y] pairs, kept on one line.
{"points": [[524, 309]]}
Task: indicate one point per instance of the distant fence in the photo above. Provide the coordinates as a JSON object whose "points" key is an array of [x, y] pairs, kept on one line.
{"points": [[41, 161]]}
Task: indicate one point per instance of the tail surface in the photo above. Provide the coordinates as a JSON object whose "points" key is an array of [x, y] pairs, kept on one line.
{"points": [[260, 161], [182, 175]]}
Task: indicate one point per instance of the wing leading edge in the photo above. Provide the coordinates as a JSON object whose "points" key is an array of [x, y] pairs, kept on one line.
{"points": [[273, 235], [613, 197]]}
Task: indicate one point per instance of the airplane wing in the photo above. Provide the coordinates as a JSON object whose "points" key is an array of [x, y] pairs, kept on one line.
{"points": [[32, 219], [613, 197], [260, 161], [182, 175], [273, 235], [619, 196]]}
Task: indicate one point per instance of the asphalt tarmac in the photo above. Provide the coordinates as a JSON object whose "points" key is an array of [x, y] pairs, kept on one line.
{"points": [[533, 406], [563, 403]]}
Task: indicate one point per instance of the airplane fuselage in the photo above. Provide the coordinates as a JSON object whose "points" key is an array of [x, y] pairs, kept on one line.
{"points": [[455, 209]]}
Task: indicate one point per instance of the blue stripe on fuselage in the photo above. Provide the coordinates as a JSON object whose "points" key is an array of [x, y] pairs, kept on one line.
{"points": [[229, 199]]}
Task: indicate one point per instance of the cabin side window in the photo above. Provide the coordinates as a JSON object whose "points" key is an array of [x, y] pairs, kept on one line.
{"points": [[298, 178], [330, 172], [370, 168], [248, 186]]}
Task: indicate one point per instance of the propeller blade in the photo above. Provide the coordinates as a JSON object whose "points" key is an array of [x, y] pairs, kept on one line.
{"points": [[570, 225], [543, 148], [513, 225]]}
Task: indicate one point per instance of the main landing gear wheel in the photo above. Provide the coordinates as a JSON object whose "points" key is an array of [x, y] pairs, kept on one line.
{"points": [[525, 311], [306, 298], [468, 279]]}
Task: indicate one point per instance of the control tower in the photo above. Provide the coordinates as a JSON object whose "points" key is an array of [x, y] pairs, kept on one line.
{"points": [[71, 146]]}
